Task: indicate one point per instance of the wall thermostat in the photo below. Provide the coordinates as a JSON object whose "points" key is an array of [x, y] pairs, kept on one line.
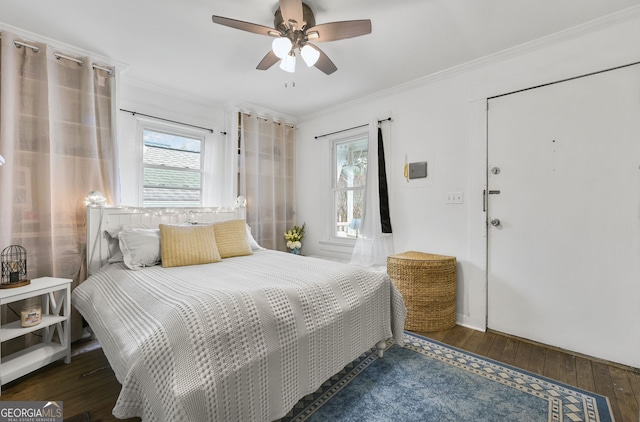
{"points": [[418, 170]]}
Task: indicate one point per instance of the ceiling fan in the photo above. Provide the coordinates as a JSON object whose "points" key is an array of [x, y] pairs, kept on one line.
{"points": [[294, 28]]}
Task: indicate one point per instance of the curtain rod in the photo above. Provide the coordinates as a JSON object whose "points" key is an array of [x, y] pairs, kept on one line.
{"points": [[19, 44], [106, 69], [59, 56], [81, 62], [388, 119], [292, 126], [171, 121], [73, 59]]}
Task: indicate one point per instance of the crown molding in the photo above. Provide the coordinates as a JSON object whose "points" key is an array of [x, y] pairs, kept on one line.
{"points": [[64, 47], [249, 108], [162, 90], [594, 25]]}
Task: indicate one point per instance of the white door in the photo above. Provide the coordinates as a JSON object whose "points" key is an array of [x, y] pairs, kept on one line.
{"points": [[564, 237]]}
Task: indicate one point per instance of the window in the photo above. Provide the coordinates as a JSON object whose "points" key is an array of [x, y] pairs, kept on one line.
{"points": [[172, 168], [349, 184]]}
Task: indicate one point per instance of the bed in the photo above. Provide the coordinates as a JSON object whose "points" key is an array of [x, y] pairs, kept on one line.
{"points": [[241, 338]]}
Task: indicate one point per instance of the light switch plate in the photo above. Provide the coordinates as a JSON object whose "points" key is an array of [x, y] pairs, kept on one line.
{"points": [[453, 198]]}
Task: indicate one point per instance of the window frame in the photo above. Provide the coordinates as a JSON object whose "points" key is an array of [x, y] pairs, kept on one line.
{"points": [[359, 136], [170, 129]]}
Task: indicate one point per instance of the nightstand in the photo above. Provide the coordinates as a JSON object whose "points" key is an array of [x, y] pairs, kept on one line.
{"points": [[56, 313]]}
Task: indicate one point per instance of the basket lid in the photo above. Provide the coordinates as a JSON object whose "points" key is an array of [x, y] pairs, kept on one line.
{"points": [[421, 256]]}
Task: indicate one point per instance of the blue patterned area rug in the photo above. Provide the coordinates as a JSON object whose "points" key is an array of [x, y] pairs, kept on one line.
{"points": [[429, 381]]}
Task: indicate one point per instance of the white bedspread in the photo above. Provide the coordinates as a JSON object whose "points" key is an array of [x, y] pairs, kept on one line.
{"points": [[239, 340]]}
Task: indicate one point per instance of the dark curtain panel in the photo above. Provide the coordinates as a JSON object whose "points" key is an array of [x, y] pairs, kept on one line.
{"points": [[383, 191]]}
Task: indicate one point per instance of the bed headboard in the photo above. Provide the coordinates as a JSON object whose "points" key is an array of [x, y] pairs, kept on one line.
{"points": [[102, 219]]}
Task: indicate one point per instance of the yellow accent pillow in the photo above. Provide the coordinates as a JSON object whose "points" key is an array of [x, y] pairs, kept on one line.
{"points": [[231, 238], [188, 245]]}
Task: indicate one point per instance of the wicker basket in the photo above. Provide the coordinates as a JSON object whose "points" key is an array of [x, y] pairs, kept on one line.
{"points": [[428, 285]]}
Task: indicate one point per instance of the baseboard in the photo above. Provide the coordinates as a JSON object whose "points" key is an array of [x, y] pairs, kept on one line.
{"points": [[467, 322], [569, 352]]}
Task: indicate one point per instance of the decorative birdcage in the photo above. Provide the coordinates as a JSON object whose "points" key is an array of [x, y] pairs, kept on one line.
{"points": [[14, 267]]}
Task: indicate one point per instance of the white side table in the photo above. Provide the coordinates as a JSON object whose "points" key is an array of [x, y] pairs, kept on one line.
{"points": [[56, 313]]}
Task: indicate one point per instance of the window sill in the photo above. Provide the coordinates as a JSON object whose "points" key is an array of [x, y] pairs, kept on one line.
{"points": [[337, 247], [336, 241]]}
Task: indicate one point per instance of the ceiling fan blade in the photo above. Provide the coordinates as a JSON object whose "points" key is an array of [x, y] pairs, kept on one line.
{"points": [[339, 30], [269, 60], [245, 26], [292, 11], [324, 63]]}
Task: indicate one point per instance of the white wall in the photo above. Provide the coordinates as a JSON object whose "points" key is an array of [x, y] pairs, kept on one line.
{"points": [[218, 183], [219, 180], [442, 119]]}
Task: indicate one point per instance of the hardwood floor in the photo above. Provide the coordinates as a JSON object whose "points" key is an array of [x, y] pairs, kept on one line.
{"points": [[621, 385], [88, 383]]}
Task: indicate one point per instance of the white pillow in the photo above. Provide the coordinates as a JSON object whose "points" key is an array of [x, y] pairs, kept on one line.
{"points": [[252, 242], [140, 247], [113, 246], [116, 257], [113, 241]]}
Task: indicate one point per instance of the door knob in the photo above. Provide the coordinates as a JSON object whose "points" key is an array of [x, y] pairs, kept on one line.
{"points": [[495, 222]]}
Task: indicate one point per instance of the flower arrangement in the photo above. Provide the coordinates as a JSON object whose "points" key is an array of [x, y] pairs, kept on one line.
{"points": [[294, 238]]}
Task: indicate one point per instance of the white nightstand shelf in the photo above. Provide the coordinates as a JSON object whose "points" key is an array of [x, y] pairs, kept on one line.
{"points": [[56, 311]]}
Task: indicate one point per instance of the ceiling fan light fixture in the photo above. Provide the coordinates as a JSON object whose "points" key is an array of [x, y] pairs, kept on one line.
{"points": [[288, 63], [281, 47], [309, 54], [293, 26]]}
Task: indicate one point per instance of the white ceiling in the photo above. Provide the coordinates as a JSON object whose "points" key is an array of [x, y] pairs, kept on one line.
{"points": [[174, 44]]}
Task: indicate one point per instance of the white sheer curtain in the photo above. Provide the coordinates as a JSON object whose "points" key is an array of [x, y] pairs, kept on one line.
{"points": [[267, 178], [56, 134], [372, 245]]}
